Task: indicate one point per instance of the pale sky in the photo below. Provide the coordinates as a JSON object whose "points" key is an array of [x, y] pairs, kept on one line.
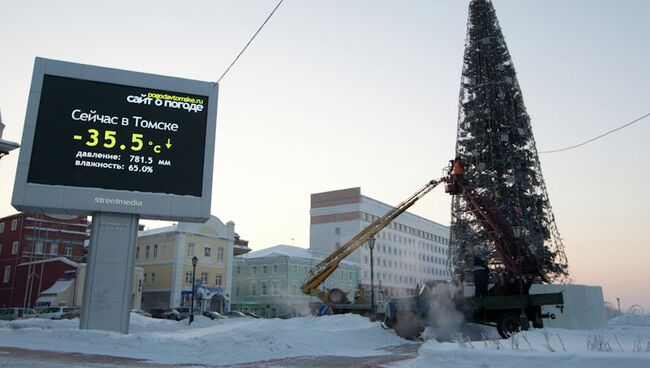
{"points": [[347, 93]]}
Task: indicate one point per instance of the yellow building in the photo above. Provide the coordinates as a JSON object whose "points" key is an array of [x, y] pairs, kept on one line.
{"points": [[166, 255]]}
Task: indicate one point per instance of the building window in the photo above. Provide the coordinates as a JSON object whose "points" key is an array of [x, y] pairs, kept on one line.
{"points": [[264, 269], [206, 251], [2, 227], [14, 224], [147, 250], [220, 254], [337, 245], [237, 290], [137, 252], [144, 278], [274, 288], [295, 269], [253, 290], [153, 277], [190, 249], [155, 251], [238, 270], [275, 268], [263, 293], [39, 248], [337, 231], [54, 249], [67, 251], [217, 281], [254, 270], [204, 278], [5, 278], [188, 278]]}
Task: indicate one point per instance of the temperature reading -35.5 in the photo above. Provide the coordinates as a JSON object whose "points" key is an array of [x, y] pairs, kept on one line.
{"points": [[110, 139]]}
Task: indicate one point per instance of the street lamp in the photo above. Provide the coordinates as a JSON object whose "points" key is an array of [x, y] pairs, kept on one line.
{"points": [[517, 231], [194, 261], [371, 245]]}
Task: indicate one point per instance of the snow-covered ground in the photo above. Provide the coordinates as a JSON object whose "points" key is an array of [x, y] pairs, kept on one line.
{"points": [[625, 343], [227, 341]]}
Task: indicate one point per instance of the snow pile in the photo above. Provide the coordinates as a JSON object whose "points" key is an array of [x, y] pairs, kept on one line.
{"points": [[631, 320], [541, 349], [228, 341]]}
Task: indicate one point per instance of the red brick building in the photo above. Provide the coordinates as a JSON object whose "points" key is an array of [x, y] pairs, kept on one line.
{"points": [[240, 246], [27, 238]]}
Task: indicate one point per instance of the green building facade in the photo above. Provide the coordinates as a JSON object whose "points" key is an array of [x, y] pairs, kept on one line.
{"points": [[267, 282]]}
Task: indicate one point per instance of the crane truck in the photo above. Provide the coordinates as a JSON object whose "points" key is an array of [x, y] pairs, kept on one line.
{"points": [[508, 305]]}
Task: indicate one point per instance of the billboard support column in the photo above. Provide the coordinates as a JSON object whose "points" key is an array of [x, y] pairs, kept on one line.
{"points": [[109, 273]]}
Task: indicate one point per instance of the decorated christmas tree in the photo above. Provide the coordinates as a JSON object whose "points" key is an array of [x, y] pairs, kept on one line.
{"points": [[495, 141]]}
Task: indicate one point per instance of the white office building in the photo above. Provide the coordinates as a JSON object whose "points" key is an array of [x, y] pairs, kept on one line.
{"points": [[408, 252]]}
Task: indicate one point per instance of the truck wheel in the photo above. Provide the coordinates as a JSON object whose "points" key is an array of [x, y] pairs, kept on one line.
{"points": [[337, 296], [508, 324], [388, 322], [409, 325]]}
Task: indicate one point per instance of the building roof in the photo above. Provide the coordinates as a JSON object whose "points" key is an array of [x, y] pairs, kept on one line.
{"points": [[215, 228], [55, 259], [160, 230], [290, 251], [281, 250], [59, 287]]}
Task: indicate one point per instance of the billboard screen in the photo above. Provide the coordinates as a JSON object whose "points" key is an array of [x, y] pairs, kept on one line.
{"points": [[100, 139], [111, 136]]}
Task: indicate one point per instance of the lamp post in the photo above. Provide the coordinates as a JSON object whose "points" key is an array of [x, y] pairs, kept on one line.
{"points": [[194, 261], [371, 245], [517, 231]]}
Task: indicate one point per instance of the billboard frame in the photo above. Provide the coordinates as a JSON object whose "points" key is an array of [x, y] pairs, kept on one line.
{"points": [[75, 200]]}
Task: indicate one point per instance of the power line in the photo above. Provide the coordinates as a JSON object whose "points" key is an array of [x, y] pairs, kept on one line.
{"points": [[598, 137], [249, 42]]}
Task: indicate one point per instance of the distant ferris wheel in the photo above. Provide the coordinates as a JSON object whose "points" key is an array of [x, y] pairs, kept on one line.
{"points": [[635, 309]]}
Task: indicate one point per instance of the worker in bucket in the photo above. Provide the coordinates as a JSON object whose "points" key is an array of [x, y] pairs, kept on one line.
{"points": [[456, 166]]}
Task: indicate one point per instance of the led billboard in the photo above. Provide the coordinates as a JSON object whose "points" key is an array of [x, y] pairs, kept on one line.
{"points": [[100, 139]]}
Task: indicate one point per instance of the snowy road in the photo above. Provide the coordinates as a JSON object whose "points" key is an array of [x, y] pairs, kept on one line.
{"points": [[16, 357], [24, 358]]}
